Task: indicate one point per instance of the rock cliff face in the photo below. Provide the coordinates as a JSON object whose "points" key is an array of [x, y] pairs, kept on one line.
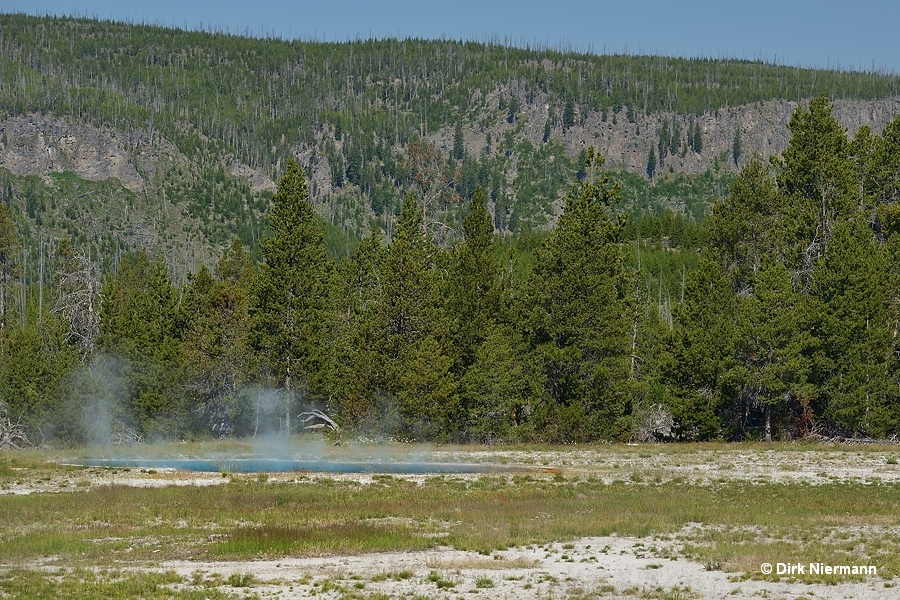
{"points": [[39, 145], [763, 127]]}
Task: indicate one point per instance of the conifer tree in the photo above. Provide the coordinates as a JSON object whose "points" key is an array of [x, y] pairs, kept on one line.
{"points": [[816, 184], [291, 316], [354, 164], [473, 294], [216, 343], [497, 390], [569, 113], [664, 139], [651, 164], [357, 367], [459, 149], [698, 372], [885, 169], [475, 311], [675, 138], [417, 372], [578, 309], [33, 376], [773, 339], [746, 228], [139, 327], [855, 320]]}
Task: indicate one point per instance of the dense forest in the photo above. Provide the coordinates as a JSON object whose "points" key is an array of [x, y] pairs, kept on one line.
{"points": [[786, 322]]}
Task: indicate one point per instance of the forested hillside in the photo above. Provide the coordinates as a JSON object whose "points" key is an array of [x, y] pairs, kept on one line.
{"points": [[201, 234], [196, 128]]}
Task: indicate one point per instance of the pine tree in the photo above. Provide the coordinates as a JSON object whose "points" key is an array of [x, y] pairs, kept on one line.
{"points": [[651, 164], [34, 377], [218, 361], [855, 315], [473, 288], [291, 317], [498, 388], [746, 229], [736, 148], [664, 138], [675, 139], [474, 304], [885, 169], [459, 149], [701, 353], [139, 326], [357, 366], [773, 339], [354, 164], [569, 113], [236, 266], [816, 184], [578, 311], [416, 371]]}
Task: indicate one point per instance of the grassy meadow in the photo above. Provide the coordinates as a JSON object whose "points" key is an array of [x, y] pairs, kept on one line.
{"points": [[81, 531]]}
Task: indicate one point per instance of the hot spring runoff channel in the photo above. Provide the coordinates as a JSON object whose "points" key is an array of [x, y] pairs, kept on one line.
{"points": [[275, 465]]}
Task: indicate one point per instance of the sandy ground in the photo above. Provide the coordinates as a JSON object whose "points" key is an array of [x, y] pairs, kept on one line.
{"points": [[612, 567], [607, 567]]}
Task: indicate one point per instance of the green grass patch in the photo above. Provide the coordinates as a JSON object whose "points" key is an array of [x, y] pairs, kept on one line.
{"points": [[318, 538], [85, 584]]}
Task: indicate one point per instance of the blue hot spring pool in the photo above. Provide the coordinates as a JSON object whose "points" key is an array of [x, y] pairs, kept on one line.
{"points": [[277, 465]]}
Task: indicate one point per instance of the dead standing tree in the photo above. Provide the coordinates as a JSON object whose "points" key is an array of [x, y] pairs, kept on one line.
{"points": [[12, 435], [434, 180], [78, 297]]}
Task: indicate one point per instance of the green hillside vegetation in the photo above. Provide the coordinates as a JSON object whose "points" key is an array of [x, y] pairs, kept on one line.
{"points": [[354, 109], [245, 94], [776, 317]]}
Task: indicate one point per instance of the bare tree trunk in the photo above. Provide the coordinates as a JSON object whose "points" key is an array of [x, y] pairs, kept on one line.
{"points": [[41, 280], [4, 284], [634, 328], [287, 407], [768, 423], [258, 400]]}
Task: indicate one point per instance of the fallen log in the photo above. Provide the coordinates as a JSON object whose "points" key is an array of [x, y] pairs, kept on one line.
{"points": [[312, 415]]}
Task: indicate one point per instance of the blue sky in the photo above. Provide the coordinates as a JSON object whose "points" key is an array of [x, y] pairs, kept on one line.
{"points": [[823, 33]]}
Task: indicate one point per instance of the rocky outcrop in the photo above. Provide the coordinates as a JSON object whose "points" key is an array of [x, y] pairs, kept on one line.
{"points": [[257, 180], [40, 145], [627, 144]]}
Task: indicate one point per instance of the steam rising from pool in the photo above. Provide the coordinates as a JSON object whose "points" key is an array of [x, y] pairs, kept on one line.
{"points": [[267, 445]]}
